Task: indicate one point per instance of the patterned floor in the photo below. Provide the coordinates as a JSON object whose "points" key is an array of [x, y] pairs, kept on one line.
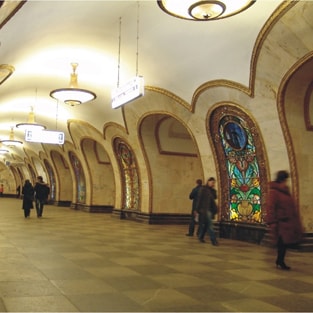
{"points": [[72, 261]]}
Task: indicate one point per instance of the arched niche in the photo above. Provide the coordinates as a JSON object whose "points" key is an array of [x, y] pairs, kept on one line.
{"points": [[295, 107], [102, 185], [79, 179], [173, 162], [242, 168], [51, 180], [64, 180], [129, 176]]}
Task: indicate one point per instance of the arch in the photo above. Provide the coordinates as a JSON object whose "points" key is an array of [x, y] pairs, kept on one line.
{"points": [[241, 163], [80, 180], [64, 180], [294, 98], [101, 173], [52, 180], [173, 162], [129, 175]]}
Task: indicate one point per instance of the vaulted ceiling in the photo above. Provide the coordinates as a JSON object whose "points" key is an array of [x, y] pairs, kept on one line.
{"points": [[42, 38]]}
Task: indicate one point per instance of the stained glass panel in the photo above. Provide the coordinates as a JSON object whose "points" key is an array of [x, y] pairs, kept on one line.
{"points": [[80, 179], [243, 170], [130, 177]]}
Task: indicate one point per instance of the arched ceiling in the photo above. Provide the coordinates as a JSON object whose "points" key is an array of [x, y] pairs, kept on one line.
{"points": [[43, 37]]}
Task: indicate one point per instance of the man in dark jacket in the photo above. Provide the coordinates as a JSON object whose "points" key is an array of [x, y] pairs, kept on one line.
{"points": [[206, 207], [42, 191], [193, 196]]}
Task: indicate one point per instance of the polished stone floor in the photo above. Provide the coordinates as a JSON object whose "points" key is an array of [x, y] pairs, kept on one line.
{"points": [[73, 261]]}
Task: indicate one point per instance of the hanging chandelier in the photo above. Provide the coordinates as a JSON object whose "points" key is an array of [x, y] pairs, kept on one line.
{"points": [[73, 95], [31, 124], [204, 10], [3, 150], [11, 142]]}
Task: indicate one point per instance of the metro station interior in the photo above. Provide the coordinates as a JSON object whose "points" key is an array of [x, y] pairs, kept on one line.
{"points": [[228, 97]]}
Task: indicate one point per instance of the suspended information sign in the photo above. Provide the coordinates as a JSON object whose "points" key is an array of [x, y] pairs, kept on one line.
{"points": [[128, 92], [44, 136]]}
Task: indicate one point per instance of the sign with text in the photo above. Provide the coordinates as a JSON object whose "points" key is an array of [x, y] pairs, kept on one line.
{"points": [[128, 92], [44, 136]]}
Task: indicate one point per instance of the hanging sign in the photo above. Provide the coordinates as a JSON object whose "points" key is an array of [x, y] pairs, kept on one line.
{"points": [[128, 92], [44, 136]]}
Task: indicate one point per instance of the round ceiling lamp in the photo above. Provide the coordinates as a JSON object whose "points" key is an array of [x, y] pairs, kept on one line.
{"points": [[3, 150], [204, 10], [31, 124], [11, 142], [73, 95]]}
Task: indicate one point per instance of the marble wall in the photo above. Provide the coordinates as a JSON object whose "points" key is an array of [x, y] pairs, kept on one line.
{"points": [[279, 76]]}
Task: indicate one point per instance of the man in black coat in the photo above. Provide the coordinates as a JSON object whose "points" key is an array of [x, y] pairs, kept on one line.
{"points": [[193, 196], [206, 207], [42, 191]]}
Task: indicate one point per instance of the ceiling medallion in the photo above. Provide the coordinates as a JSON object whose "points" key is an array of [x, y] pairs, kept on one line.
{"points": [[204, 10]]}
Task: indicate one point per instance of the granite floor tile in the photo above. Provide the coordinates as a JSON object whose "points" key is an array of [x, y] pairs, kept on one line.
{"points": [[74, 261], [39, 304], [105, 302]]}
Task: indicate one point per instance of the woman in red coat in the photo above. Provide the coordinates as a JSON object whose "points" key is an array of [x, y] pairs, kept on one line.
{"points": [[283, 218]]}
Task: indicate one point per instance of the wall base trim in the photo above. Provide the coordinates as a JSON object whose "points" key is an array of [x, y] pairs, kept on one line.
{"points": [[62, 203], [92, 208], [151, 218], [242, 231]]}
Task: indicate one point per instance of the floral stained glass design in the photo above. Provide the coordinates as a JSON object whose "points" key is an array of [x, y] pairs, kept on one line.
{"points": [[80, 179], [51, 179], [242, 169], [130, 175]]}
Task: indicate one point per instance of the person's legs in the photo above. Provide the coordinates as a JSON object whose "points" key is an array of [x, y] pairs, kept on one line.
{"points": [[211, 229], [281, 252], [37, 202], [191, 225], [41, 208], [203, 226]]}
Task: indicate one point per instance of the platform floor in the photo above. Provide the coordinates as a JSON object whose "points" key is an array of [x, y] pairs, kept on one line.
{"points": [[73, 261]]}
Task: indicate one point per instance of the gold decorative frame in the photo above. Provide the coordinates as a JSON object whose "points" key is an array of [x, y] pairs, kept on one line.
{"points": [[213, 120], [5, 72]]}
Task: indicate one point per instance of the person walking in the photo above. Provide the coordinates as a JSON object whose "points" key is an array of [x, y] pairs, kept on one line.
{"points": [[283, 218], [28, 198], [206, 207], [193, 196], [18, 191], [1, 190], [42, 191]]}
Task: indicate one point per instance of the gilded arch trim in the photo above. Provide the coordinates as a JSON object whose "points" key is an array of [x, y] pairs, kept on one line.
{"points": [[212, 125]]}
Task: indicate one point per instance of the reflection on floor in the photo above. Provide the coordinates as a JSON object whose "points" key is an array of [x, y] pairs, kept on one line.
{"points": [[72, 261]]}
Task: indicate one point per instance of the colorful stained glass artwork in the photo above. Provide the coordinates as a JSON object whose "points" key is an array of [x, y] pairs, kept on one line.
{"points": [[243, 170], [130, 176], [80, 179], [51, 180]]}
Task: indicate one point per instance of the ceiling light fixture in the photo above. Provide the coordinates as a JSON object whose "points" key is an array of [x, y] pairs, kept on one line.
{"points": [[204, 10], [73, 95], [11, 142], [2, 150], [31, 124]]}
